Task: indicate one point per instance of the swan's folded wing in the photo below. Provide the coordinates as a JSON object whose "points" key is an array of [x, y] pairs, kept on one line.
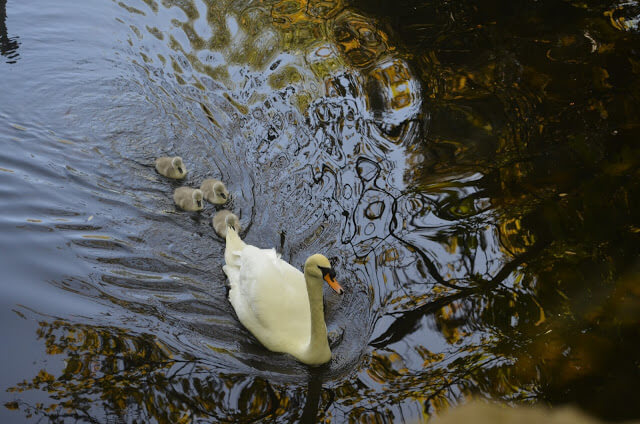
{"points": [[275, 292]]}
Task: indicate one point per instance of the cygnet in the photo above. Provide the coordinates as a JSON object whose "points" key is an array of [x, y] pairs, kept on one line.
{"points": [[171, 167], [187, 198], [224, 219], [214, 191]]}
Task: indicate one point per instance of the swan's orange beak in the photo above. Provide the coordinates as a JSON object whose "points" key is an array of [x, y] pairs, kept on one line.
{"points": [[333, 284]]}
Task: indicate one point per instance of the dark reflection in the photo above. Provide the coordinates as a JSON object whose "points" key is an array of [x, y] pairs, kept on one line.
{"points": [[313, 399], [8, 45]]}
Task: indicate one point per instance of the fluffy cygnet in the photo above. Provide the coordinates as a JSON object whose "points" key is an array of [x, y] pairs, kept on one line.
{"points": [[214, 191], [171, 167], [224, 219], [189, 199]]}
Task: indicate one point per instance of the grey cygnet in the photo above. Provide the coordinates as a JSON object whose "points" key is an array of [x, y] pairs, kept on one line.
{"points": [[171, 167], [189, 199], [214, 191], [224, 219]]}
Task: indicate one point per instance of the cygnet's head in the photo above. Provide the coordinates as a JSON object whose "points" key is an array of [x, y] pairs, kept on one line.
{"points": [[232, 221], [197, 197], [221, 191], [224, 219], [319, 266], [179, 165]]}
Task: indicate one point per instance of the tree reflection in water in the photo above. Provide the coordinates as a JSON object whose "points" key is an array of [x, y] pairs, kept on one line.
{"points": [[540, 122], [134, 377], [8, 45]]}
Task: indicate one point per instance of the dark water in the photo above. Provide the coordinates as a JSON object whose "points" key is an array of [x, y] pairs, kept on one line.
{"points": [[471, 170]]}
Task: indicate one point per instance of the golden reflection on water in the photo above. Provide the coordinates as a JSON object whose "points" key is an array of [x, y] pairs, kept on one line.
{"points": [[333, 40]]}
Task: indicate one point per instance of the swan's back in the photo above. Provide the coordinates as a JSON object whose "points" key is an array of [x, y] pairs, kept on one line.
{"points": [[268, 295]]}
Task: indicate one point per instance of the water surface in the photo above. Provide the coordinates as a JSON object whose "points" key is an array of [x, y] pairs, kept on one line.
{"points": [[471, 171]]}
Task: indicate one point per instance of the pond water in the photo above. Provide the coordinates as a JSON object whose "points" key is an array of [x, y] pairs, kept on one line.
{"points": [[471, 170]]}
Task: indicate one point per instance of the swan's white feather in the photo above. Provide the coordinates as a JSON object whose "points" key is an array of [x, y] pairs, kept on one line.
{"points": [[270, 298]]}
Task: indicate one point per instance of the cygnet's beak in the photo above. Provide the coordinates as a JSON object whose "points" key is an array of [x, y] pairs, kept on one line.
{"points": [[333, 284], [199, 202]]}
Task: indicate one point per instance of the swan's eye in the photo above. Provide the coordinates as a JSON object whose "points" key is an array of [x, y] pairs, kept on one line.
{"points": [[330, 271]]}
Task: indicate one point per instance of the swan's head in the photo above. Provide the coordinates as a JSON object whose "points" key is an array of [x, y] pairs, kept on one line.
{"points": [[319, 266], [178, 165], [220, 191], [197, 197]]}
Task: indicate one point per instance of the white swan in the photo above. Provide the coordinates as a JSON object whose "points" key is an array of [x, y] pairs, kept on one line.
{"points": [[279, 305], [224, 219], [188, 198], [171, 167], [214, 191]]}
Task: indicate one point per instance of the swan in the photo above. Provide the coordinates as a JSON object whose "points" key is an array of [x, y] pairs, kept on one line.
{"points": [[188, 198], [171, 167], [214, 191], [224, 219], [278, 304]]}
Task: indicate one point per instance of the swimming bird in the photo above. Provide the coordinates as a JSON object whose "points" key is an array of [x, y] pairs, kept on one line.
{"points": [[278, 304], [187, 198], [224, 219], [171, 167], [214, 191]]}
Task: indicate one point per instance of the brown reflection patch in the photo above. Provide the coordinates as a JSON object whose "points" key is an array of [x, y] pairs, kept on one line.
{"points": [[514, 239], [358, 39], [324, 9], [395, 80], [286, 13]]}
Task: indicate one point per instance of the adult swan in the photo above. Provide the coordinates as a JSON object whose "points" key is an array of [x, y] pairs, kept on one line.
{"points": [[279, 305]]}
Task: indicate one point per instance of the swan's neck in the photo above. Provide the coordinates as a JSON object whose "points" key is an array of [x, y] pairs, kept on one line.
{"points": [[318, 348]]}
